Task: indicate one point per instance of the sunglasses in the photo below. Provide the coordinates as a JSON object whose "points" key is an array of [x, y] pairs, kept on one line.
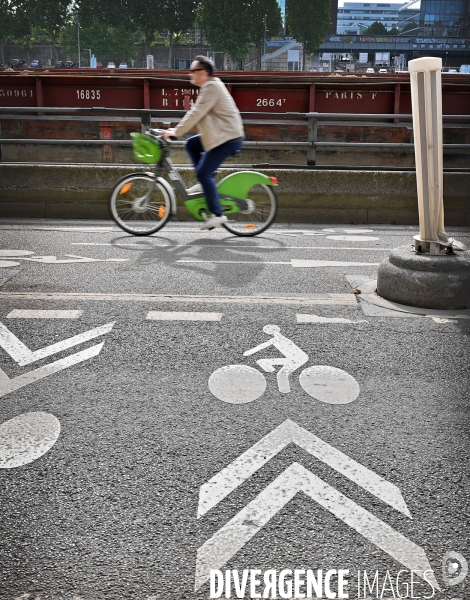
{"points": [[192, 70]]}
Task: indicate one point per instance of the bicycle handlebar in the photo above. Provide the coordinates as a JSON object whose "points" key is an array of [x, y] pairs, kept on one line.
{"points": [[157, 133]]}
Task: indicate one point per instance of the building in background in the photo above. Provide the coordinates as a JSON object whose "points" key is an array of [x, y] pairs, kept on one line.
{"points": [[442, 18], [356, 17], [408, 17]]}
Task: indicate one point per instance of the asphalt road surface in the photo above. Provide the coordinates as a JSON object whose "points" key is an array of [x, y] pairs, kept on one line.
{"points": [[146, 454]]}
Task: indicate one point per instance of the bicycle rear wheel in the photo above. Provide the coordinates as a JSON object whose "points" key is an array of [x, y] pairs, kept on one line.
{"points": [[259, 214], [139, 204]]}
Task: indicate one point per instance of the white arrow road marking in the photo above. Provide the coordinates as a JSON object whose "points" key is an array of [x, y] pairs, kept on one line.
{"points": [[84, 229], [243, 467], [226, 542], [157, 245], [8, 385], [301, 318], [294, 262], [24, 356], [53, 260], [328, 263], [44, 314], [15, 253], [4, 264], [25, 438]]}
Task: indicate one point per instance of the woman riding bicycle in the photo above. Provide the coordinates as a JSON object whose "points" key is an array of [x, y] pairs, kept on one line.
{"points": [[221, 133]]}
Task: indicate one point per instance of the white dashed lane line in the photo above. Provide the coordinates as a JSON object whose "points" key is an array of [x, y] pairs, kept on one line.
{"points": [[44, 314], [302, 318], [158, 315]]}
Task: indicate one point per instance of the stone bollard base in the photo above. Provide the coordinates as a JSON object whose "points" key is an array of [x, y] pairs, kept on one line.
{"points": [[426, 281]]}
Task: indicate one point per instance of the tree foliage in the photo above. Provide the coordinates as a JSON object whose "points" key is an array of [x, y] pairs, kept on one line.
{"points": [[308, 22], [234, 26], [266, 22], [226, 26], [177, 17], [376, 29], [410, 27], [49, 16], [103, 39]]}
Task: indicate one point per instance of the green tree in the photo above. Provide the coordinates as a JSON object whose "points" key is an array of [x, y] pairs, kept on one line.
{"points": [[176, 17], [266, 22], [393, 31], [147, 20], [49, 16], [376, 29], [14, 23], [410, 27], [6, 24], [226, 26], [115, 13], [105, 41], [308, 22]]}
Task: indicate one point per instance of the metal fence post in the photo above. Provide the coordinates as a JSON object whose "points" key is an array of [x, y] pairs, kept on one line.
{"points": [[312, 138], [145, 122]]}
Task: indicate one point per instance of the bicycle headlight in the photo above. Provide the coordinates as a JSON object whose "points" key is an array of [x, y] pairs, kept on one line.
{"points": [[145, 149]]}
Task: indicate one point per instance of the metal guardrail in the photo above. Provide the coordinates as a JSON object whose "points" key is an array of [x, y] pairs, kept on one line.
{"points": [[313, 118]]}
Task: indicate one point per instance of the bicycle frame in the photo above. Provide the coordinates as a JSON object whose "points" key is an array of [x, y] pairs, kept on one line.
{"points": [[177, 184]]}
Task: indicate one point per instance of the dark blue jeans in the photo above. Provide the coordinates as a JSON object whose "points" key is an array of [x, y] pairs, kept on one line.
{"points": [[207, 163]]}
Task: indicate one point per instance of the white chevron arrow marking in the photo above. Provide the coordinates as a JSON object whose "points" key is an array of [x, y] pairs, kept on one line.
{"points": [[226, 542], [8, 385], [24, 356], [243, 467]]}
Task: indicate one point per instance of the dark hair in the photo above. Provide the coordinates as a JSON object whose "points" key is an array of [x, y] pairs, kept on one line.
{"points": [[206, 64]]}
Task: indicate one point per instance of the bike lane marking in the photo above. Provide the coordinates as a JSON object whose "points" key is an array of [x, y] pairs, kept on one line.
{"points": [[327, 299], [303, 318], [44, 314], [242, 468], [158, 315], [228, 540], [232, 246], [8, 385], [294, 262], [26, 438], [24, 356]]}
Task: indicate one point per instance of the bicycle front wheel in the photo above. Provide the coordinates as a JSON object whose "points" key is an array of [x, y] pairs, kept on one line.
{"points": [[261, 211], [139, 204]]}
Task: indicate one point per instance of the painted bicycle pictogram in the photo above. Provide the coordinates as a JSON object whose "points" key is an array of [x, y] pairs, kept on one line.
{"points": [[241, 384]]}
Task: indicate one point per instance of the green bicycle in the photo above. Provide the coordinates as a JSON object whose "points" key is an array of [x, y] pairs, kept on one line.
{"points": [[142, 203]]}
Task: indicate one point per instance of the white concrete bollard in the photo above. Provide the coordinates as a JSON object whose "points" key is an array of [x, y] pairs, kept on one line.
{"points": [[426, 100]]}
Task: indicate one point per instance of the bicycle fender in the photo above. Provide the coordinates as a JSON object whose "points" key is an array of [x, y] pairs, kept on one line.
{"points": [[170, 191], [239, 184]]}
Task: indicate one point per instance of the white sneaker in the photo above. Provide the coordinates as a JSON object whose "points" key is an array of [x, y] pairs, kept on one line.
{"points": [[214, 221], [195, 189]]}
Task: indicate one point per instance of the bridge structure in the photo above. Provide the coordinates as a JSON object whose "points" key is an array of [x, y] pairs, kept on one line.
{"points": [[453, 51]]}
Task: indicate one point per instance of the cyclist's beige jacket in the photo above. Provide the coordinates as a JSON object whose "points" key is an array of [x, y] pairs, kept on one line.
{"points": [[215, 114]]}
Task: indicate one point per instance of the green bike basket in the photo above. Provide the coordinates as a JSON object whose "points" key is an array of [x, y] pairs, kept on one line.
{"points": [[145, 149]]}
